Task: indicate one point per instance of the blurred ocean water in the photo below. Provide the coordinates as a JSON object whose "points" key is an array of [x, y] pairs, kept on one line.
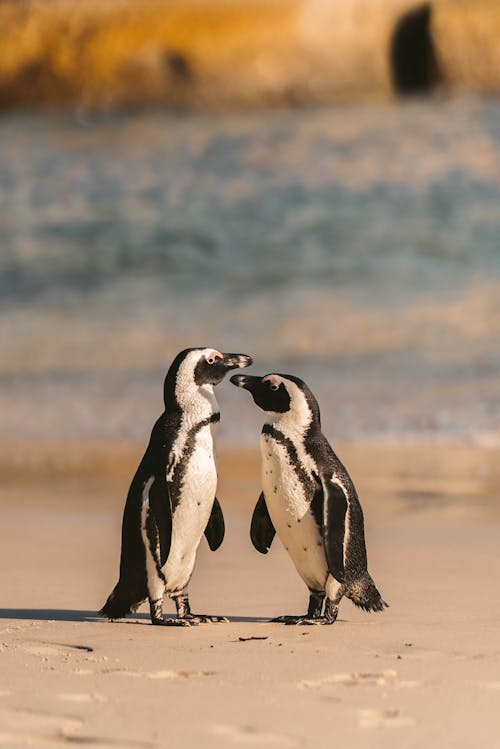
{"points": [[357, 247]]}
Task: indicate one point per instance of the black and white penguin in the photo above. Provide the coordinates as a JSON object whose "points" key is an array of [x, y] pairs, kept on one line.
{"points": [[309, 500], [171, 501]]}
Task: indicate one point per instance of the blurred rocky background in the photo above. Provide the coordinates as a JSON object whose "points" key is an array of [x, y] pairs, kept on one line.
{"points": [[246, 53]]}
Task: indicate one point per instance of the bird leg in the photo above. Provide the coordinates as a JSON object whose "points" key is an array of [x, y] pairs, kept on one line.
{"points": [[313, 615], [185, 614], [157, 618]]}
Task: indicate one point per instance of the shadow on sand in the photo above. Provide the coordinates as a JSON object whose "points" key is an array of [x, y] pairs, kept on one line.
{"points": [[73, 615]]}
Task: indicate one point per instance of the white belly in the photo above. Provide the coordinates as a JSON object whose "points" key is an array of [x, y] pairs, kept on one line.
{"points": [[192, 513], [291, 516]]}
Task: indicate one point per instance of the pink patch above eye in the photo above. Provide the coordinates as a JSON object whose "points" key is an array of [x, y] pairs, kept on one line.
{"points": [[275, 382], [213, 355]]}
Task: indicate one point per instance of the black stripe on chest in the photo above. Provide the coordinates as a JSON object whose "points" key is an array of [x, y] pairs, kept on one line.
{"points": [[303, 476], [175, 483]]}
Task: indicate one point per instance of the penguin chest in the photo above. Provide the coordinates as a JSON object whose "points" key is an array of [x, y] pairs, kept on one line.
{"points": [[193, 506], [288, 496]]}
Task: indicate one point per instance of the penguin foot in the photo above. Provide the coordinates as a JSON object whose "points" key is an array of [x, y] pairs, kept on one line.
{"points": [[170, 622], [205, 618], [302, 620], [287, 619], [313, 620]]}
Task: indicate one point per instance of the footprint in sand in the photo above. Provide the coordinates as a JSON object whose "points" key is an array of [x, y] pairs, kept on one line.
{"points": [[44, 651], [27, 728], [158, 674], [388, 718], [24, 726], [19, 627], [351, 679], [491, 684], [252, 736], [82, 697]]}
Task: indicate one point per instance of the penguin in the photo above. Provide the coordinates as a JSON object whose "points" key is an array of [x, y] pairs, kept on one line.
{"points": [[171, 501], [309, 500]]}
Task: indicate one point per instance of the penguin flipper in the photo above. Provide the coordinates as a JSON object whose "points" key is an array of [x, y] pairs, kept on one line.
{"points": [[334, 515], [159, 523], [214, 532], [131, 588], [262, 530]]}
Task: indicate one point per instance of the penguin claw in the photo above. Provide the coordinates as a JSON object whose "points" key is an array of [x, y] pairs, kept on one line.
{"points": [[174, 622], [301, 620], [206, 619], [306, 620], [286, 619]]}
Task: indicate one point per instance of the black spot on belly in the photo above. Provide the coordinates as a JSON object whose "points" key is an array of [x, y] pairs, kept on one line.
{"points": [[198, 503], [179, 471], [301, 472], [305, 548], [288, 524], [275, 489], [319, 543], [298, 520]]}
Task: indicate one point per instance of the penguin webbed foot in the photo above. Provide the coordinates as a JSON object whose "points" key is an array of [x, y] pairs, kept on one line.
{"points": [[303, 620], [285, 619], [173, 622], [290, 620], [311, 620], [205, 619]]}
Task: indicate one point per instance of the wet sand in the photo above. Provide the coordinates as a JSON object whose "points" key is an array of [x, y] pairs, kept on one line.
{"points": [[424, 673]]}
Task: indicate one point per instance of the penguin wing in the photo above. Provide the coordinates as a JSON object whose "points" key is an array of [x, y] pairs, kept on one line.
{"points": [[160, 520], [262, 530], [214, 532], [131, 588], [334, 517]]}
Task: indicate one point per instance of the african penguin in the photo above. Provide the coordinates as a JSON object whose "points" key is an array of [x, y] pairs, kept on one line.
{"points": [[171, 501], [309, 499]]}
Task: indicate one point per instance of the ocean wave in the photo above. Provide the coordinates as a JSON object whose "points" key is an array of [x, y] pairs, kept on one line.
{"points": [[357, 248]]}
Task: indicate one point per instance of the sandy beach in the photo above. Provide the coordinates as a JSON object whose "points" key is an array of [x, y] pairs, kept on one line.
{"points": [[175, 174], [423, 674]]}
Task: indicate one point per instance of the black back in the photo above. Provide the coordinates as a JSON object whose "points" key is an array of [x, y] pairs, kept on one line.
{"points": [[339, 496], [154, 462]]}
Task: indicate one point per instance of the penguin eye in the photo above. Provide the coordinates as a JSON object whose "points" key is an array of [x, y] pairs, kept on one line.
{"points": [[272, 385], [212, 359]]}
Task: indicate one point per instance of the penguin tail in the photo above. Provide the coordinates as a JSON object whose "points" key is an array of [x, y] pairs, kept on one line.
{"points": [[122, 601], [363, 593]]}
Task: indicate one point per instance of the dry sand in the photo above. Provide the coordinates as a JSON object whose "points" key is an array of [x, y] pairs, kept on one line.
{"points": [[426, 673]]}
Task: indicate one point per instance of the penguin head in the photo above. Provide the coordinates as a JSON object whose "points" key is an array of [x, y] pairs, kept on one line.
{"points": [[281, 395], [194, 368], [212, 366]]}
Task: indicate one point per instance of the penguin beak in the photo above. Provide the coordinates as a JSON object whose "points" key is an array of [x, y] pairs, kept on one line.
{"points": [[236, 361], [248, 382]]}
